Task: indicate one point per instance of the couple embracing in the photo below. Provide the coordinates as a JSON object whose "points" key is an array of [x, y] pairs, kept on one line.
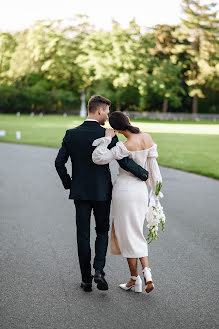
{"points": [[91, 147]]}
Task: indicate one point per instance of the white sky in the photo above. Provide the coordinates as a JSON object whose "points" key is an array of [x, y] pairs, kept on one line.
{"points": [[19, 14]]}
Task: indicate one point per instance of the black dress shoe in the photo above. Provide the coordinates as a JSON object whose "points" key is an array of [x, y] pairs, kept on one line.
{"points": [[86, 286], [100, 280], [87, 283]]}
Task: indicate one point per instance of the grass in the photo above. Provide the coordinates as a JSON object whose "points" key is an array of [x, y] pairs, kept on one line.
{"points": [[186, 145]]}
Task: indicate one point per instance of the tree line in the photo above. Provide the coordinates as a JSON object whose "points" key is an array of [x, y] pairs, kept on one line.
{"points": [[166, 68]]}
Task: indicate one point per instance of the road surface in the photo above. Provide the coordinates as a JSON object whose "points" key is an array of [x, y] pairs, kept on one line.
{"points": [[40, 277]]}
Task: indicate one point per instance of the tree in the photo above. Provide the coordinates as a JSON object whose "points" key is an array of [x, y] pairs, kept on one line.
{"points": [[164, 41], [51, 47], [164, 81], [119, 56], [7, 48], [198, 35]]}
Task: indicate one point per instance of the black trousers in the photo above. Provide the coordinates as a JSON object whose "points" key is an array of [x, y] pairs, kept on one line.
{"points": [[101, 210]]}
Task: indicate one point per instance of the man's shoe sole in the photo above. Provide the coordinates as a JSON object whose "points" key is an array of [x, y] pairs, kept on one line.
{"points": [[101, 284]]}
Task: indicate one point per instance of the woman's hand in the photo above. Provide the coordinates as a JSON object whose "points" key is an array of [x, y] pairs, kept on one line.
{"points": [[110, 132]]}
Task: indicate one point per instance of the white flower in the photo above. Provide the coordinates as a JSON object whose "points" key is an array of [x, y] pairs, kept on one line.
{"points": [[155, 214]]}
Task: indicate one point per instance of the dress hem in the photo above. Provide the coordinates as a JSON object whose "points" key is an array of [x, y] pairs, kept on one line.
{"points": [[120, 254]]}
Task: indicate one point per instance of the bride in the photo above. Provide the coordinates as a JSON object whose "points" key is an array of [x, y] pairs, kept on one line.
{"points": [[129, 196]]}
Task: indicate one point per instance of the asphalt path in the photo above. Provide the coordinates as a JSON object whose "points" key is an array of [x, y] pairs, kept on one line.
{"points": [[40, 277]]}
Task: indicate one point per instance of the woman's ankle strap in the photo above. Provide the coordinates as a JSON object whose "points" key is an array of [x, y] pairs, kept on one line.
{"points": [[134, 277], [146, 268]]}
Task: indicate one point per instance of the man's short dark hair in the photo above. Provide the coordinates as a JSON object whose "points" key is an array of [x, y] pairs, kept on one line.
{"points": [[96, 102]]}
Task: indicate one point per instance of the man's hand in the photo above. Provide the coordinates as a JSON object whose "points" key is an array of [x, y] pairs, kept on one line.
{"points": [[110, 132]]}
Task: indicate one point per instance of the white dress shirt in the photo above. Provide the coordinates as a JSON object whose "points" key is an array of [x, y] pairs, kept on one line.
{"points": [[91, 120]]}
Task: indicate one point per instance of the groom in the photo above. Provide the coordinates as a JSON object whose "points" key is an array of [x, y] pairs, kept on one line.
{"points": [[91, 187]]}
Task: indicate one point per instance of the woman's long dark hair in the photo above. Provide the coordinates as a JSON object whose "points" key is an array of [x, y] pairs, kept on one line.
{"points": [[119, 121]]}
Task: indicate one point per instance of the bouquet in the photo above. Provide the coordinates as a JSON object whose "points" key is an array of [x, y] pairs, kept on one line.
{"points": [[155, 214]]}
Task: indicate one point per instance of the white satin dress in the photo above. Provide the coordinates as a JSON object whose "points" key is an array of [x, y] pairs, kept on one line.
{"points": [[129, 197]]}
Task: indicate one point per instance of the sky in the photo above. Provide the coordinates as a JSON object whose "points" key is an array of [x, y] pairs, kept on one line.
{"points": [[19, 14]]}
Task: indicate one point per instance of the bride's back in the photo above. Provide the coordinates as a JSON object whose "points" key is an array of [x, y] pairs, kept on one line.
{"points": [[138, 142], [139, 146]]}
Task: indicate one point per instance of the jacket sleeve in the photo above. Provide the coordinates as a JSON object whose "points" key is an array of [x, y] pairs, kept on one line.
{"points": [[113, 142], [130, 165], [60, 161]]}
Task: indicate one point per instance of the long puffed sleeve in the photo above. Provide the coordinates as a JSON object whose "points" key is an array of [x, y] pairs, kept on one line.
{"points": [[153, 168], [102, 155]]}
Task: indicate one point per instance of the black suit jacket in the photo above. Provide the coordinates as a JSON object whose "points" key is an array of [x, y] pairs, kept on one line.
{"points": [[89, 180]]}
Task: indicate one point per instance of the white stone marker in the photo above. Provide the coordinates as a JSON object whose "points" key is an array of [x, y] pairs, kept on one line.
{"points": [[2, 133], [83, 111], [18, 135]]}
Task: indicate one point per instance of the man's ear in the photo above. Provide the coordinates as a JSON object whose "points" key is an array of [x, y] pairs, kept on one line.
{"points": [[128, 118]]}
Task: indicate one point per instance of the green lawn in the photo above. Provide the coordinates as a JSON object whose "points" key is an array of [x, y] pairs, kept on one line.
{"points": [[185, 145]]}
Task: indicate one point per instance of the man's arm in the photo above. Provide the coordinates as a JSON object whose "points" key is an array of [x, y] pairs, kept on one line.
{"points": [[113, 142], [129, 164], [60, 161]]}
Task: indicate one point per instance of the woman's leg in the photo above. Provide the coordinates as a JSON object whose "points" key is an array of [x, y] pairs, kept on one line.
{"points": [[133, 267], [144, 262]]}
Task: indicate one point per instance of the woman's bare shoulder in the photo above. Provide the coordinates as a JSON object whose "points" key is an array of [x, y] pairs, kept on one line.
{"points": [[145, 141], [148, 140]]}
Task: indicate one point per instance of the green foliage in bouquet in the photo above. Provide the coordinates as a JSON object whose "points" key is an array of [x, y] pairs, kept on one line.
{"points": [[156, 216], [158, 188]]}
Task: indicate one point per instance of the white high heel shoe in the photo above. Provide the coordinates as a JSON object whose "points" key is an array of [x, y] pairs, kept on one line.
{"points": [[137, 285], [148, 279]]}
